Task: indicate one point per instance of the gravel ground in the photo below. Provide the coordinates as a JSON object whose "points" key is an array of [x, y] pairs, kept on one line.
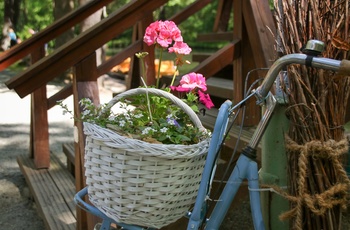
{"points": [[18, 210]]}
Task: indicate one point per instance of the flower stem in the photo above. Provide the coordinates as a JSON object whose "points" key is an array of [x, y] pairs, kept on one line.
{"points": [[173, 80], [143, 68], [159, 65], [148, 102]]}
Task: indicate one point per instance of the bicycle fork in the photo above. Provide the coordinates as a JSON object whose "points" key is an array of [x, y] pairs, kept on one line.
{"points": [[246, 168]]}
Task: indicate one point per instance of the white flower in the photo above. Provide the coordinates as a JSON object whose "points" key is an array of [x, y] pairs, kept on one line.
{"points": [[164, 130], [85, 113], [85, 101], [138, 115], [147, 130], [171, 121], [122, 123]]}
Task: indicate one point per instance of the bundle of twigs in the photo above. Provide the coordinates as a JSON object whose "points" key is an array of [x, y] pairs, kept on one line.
{"points": [[315, 143]]}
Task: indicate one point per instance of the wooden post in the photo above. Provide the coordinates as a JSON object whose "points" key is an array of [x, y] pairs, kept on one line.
{"points": [[84, 86], [253, 24], [223, 15], [39, 127]]}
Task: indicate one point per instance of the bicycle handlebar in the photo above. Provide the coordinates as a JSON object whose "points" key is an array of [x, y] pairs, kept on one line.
{"points": [[342, 67]]}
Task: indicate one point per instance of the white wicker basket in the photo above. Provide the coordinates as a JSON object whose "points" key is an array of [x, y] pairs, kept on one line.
{"points": [[140, 183]]}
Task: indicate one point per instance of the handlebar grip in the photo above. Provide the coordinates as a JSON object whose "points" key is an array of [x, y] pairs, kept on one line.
{"points": [[344, 68]]}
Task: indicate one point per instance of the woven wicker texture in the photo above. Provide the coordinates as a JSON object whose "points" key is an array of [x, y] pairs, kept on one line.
{"points": [[140, 183]]}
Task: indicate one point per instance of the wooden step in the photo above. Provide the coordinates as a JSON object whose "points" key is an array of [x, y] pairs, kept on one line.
{"points": [[208, 121], [68, 150], [220, 87], [199, 57], [53, 190]]}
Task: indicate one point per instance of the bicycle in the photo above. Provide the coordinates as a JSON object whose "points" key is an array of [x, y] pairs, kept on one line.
{"points": [[246, 167]]}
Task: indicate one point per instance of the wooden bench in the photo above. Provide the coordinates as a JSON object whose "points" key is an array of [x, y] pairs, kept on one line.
{"points": [[53, 190], [68, 150]]}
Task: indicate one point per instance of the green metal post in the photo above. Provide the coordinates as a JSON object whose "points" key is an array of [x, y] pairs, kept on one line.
{"points": [[274, 169]]}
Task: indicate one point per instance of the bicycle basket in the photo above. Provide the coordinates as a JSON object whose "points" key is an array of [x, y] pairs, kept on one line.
{"points": [[141, 183]]}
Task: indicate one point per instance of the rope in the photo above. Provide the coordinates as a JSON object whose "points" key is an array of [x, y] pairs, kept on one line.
{"points": [[331, 197]]}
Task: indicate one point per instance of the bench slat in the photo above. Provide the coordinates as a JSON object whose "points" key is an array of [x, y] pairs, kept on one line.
{"points": [[53, 198], [69, 151]]}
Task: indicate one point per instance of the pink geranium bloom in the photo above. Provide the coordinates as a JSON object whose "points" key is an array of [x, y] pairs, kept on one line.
{"points": [[163, 33], [180, 48], [151, 33], [192, 81], [205, 99], [180, 89], [169, 29]]}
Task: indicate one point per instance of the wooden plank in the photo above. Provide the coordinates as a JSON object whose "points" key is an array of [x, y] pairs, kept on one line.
{"points": [[220, 87], [53, 198], [199, 57], [189, 11], [107, 65], [208, 121], [60, 95], [69, 151], [62, 180], [219, 60], [216, 37]]}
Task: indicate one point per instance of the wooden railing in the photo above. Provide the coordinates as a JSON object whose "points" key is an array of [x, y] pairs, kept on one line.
{"points": [[250, 47]]}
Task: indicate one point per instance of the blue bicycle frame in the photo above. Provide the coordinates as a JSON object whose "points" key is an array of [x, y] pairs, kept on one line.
{"points": [[246, 168]]}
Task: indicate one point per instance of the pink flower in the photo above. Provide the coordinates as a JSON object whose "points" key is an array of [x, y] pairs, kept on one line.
{"points": [[169, 32], [192, 81], [151, 33], [180, 48], [205, 99], [162, 33]]}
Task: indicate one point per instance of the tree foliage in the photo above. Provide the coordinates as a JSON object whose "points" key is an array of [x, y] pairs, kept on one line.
{"points": [[38, 14], [34, 14]]}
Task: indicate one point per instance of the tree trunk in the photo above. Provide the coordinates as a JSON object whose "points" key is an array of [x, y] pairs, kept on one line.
{"points": [[63, 7], [12, 11]]}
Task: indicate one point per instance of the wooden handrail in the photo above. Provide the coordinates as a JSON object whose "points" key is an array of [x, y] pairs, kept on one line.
{"points": [[19, 51], [125, 53], [119, 58], [189, 11], [220, 59], [101, 69], [86, 43]]}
